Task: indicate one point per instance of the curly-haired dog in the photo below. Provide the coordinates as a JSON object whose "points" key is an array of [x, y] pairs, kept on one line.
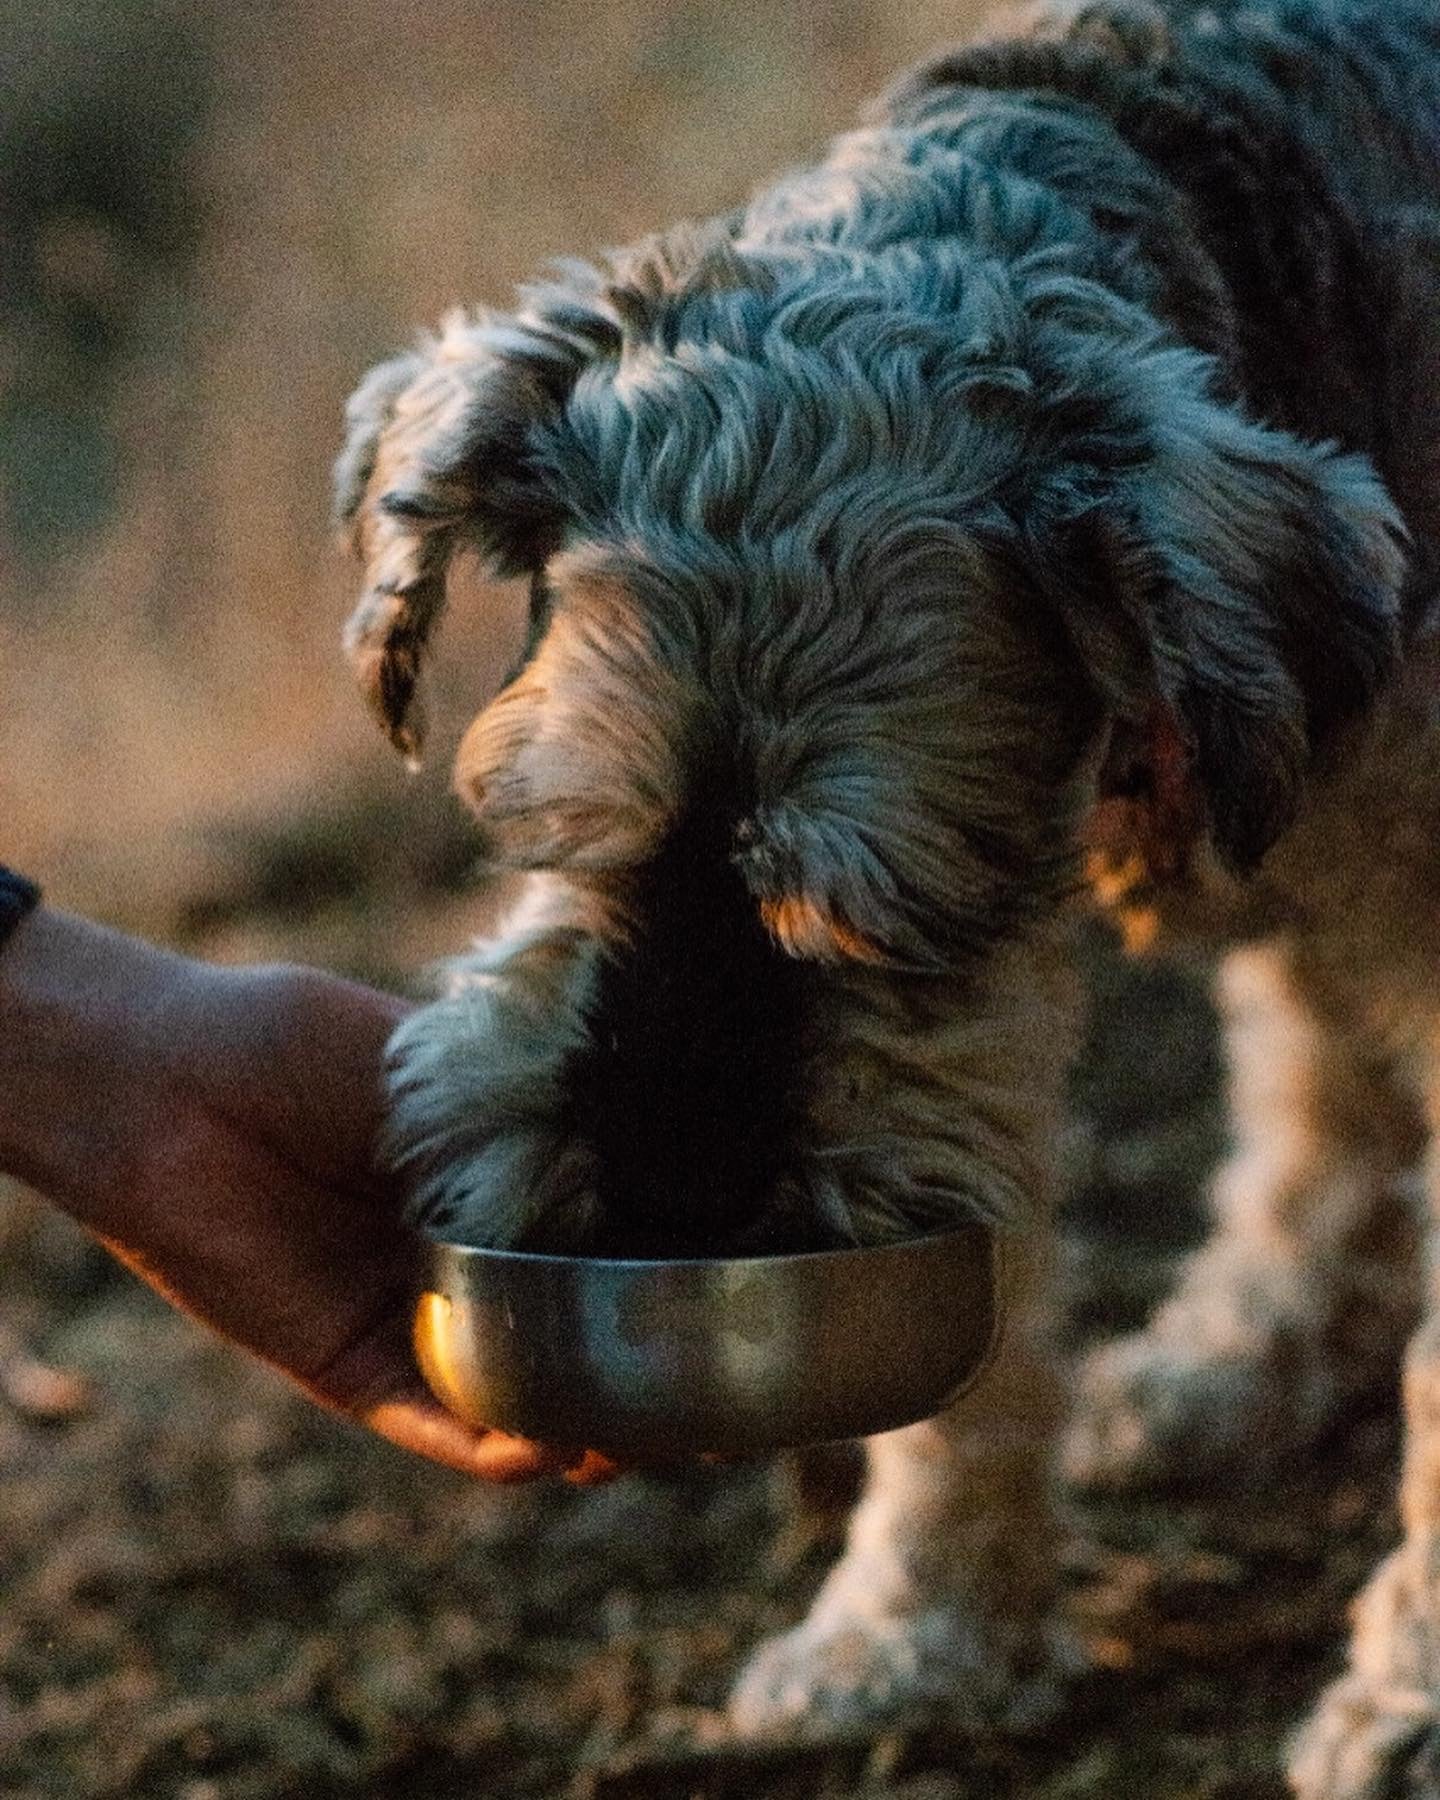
{"points": [[1044, 482]]}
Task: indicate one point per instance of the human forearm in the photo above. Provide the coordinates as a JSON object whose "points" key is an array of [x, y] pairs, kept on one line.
{"points": [[86, 1040]]}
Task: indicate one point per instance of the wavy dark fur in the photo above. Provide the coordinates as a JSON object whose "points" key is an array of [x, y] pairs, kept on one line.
{"points": [[1300, 144], [1076, 390], [1044, 480]]}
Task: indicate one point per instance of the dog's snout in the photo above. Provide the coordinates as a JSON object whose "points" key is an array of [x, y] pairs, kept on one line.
{"points": [[690, 1090]]}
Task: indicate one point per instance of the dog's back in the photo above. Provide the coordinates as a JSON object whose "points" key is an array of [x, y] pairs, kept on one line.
{"points": [[1302, 142], [1198, 86]]}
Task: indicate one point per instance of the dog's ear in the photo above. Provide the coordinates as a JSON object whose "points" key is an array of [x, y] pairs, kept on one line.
{"points": [[437, 457], [1236, 601]]}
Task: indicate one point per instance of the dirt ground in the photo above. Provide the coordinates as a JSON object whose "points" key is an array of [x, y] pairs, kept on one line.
{"points": [[212, 1592]]}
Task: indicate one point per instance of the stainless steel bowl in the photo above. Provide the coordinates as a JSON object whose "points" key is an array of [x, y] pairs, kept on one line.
{"points": [[731, 1356]]}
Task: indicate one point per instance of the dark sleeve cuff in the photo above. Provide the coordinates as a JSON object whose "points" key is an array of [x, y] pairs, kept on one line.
{"points": [[18, 896]]}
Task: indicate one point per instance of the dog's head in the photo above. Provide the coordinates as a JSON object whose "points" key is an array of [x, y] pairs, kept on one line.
{"points": [[855, 582]]}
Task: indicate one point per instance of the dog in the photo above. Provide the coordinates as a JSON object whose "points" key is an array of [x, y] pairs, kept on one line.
{"points": [[1036, 499]]}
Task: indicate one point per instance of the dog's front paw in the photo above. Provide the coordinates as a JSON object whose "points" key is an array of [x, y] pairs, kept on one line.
{"points": [[1156, 1412], [1375, 1734], [1368, 1742], [1142, 1407], [836, 1674]]}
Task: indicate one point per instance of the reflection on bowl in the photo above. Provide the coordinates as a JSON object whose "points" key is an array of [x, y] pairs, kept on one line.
{"points": [[732, 1356]]}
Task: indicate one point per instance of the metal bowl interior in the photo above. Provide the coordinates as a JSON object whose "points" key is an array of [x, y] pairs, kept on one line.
{"points": [[736, 1356]]}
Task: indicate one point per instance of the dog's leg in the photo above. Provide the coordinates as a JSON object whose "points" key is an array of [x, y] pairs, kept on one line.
{"points": [[1375, 1734], [1302, 1296], [1376, 1731], [940, 1602]]}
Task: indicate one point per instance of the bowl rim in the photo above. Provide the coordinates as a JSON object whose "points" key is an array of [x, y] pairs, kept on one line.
{"points": [[970, 1229]]}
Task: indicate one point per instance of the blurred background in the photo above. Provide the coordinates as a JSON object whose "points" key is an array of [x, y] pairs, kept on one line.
{"points": [[213, 217]]}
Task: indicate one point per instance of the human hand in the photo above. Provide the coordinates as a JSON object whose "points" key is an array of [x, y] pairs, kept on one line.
{"points": [[215, 1128]]}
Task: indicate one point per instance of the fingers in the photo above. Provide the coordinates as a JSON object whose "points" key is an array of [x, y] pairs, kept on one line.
{"points": [[425, 1429], [374, 1381]]}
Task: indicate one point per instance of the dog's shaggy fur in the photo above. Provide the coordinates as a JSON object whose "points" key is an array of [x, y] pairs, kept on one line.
{"points": [[1040, 487]]}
